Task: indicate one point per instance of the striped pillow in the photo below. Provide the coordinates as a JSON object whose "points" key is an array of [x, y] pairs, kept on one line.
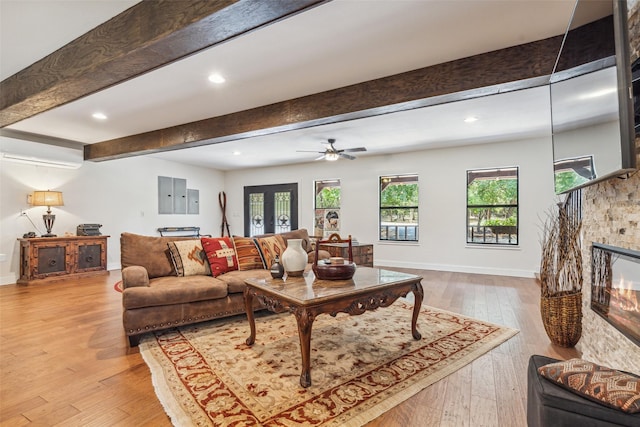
{"points": [[247, 253]]}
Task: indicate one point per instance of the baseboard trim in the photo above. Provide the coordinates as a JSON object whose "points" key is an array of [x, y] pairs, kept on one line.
{"points": [[457, 268], [8, 280]]}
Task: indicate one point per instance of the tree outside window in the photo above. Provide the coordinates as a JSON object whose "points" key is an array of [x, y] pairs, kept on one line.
{"points": [[573, 172], [492, 206], [327, 208], [399, 207]]}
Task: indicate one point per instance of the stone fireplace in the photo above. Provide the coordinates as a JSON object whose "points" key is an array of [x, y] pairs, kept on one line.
{"points": [[611, 216], [615, 288]]}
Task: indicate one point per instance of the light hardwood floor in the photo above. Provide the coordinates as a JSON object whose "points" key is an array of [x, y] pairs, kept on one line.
{"points": [[64, 358]]}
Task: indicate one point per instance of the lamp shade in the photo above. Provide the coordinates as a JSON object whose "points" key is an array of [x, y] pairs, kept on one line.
{"points": [[47, 198]]}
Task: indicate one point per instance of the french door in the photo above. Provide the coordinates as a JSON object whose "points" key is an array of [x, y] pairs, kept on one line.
{"points": [[270, 209]]}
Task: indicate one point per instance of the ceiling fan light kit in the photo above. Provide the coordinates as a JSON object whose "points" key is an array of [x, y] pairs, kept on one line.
{"points": [[331, 154]]}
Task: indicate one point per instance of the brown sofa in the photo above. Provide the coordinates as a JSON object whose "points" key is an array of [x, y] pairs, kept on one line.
{"points": [[155, 298]]}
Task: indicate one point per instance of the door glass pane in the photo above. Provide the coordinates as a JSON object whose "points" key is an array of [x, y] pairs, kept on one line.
{"points": [[256, 213], [282, 211]]}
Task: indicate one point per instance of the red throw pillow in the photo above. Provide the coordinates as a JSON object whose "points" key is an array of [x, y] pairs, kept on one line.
{"points": [[220, 253]]}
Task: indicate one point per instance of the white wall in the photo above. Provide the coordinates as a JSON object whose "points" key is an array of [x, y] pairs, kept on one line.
{"points": [[119, 194], [442, 177], [122, 196]]}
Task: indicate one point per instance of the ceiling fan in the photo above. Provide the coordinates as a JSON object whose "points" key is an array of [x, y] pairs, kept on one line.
{"points": [[332, 154]]}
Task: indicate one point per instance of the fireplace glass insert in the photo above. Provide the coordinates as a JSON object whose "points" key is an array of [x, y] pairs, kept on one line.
{"points": [[615, 288]]}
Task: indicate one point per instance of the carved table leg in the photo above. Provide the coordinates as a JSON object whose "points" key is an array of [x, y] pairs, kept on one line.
{"points": [[418, 294], [305, 322], [248, 305]]}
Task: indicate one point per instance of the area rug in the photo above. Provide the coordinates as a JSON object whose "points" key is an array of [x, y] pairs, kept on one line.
{"points": [[361, 366]]}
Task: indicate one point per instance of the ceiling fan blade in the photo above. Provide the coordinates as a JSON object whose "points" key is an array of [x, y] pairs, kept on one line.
{"points": [[346, 156], [319, 158], [351, 150], [309, 151]]}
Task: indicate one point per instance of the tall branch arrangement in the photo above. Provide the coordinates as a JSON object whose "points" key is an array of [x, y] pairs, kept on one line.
{"points": [[561, 263]]}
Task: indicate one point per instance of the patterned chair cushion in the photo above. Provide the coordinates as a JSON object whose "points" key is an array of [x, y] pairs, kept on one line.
{"points": [[220, 253], [189, 258], [604, 385]]}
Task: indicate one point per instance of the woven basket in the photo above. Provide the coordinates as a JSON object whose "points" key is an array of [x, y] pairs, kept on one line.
{"points": [[562, 318]]}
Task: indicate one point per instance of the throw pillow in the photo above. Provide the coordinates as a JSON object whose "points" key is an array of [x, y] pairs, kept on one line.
{"points": [[247, 253], [269, 247], [220, 253], [189, 258], [604, 385]]}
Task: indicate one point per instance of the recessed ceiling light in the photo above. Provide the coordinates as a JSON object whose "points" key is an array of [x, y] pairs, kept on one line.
{"points": [[471, 119], [216, 78], [99, 116], [237, 153]]}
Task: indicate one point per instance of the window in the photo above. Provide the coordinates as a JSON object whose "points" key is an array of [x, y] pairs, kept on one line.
{"points": [[571, 173], [399, 207], [327, 208], [492, 206]]}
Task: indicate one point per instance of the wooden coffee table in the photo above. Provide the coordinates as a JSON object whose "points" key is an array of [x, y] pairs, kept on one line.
{"points": [[306, 298]]}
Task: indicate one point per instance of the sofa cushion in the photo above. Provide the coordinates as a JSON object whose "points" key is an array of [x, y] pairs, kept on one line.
{"points": [[220, 253], [235, 279], [189, 258], [601, 384], [149, 252], [300, 233], [269, 247], [247, 253], [174, 290]]}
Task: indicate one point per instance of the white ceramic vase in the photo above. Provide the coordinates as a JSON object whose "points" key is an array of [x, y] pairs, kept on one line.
{"points": [[294, 258]]}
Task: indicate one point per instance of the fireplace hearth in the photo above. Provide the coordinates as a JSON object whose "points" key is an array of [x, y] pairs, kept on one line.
{"points": [[615, 288]]}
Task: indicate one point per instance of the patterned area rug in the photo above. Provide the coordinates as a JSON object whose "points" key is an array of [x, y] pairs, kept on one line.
{"points": [[361, 366]]}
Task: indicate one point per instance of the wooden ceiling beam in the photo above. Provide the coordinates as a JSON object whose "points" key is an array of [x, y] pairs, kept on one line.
{"points": [[511, 68], [146, 36], [395, 93]]}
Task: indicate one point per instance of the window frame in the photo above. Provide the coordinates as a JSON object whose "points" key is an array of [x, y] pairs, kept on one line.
{"points": [[316, 208], [416, 227], [484, 172]]}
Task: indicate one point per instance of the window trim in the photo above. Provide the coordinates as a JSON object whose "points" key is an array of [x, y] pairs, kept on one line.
{"points": [[510, 205], [416, 207], [316, 208]]}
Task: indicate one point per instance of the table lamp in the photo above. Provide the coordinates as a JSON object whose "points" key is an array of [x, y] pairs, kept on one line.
{"points": [[47, 198]]}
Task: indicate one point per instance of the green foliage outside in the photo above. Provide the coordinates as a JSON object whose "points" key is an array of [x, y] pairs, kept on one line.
{"points": [[494, 192], [329, 197], [566, 180], [396, 195], [499, 221]]}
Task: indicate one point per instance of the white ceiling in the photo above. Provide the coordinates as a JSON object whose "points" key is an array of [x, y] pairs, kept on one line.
{"points": [[333, 45]]}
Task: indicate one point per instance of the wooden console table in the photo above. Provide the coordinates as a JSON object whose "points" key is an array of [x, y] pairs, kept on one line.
{"points": [[51, 258], [362, 253]]}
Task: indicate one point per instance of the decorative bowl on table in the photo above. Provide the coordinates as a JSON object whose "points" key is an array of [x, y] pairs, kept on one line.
{"points": [[324, 271]]}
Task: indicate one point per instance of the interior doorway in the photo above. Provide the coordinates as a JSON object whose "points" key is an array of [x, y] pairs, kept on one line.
{"points": [[270, 209]]}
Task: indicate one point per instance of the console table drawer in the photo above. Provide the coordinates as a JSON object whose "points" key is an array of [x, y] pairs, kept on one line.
{"points": [[362, 253]]}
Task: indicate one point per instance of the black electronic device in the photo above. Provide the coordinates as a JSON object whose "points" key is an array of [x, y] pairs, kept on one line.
{"points": [[89, 230]]}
